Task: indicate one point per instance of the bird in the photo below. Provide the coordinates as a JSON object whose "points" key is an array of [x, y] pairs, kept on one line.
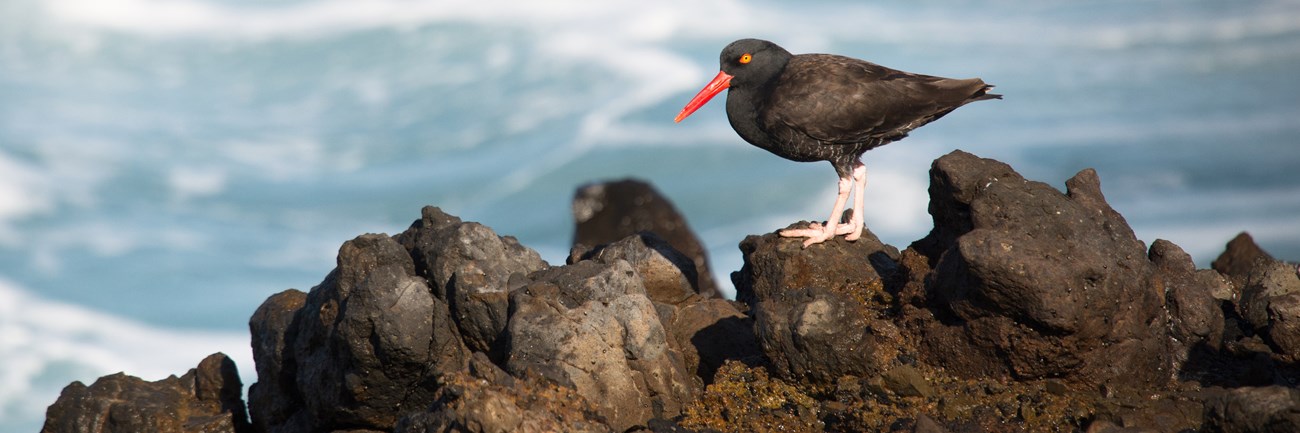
{"points": [[827, 107]]}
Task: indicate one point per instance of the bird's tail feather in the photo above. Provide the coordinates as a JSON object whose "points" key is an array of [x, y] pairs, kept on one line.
{"points": [[983, 94]]}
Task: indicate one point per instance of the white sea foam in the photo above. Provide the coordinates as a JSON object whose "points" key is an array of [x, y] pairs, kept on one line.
{"points": [[214, 19], [21, 195], [290, 158], [46, 344], [193, 182]]}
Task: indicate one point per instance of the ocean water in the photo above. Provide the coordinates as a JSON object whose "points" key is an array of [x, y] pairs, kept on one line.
{"points": [[165, 165]]}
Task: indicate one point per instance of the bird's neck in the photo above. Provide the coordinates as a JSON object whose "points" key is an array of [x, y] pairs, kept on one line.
{"points": [[744, 108]]}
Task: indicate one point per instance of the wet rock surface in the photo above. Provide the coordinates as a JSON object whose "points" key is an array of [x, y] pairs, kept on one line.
{"points": [[1025, 309]]}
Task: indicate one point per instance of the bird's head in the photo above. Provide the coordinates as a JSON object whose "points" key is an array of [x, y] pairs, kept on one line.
{"points": [[752, 62], [746, 63]]}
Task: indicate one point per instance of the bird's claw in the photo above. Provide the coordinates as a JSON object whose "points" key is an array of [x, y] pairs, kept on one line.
{"points": [[853, 233], [817, 233]]}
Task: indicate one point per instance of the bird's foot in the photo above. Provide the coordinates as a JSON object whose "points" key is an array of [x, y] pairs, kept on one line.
{"points": [[817, 233], [854, 231]]}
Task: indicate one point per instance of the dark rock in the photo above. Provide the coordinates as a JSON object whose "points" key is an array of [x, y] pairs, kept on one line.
{"points": [[1146, 413], [710, 332], [1220, 288], [907, 381], [1268, 298], [1266, 281], [1025, 309], [469, 267], [1284, 324], [668, 275], [486, 399], [371, 339], [206, 399], [810, 306], [1105, 426], [955, 180], [1195, 316], [1240, 258], [1272, 409], [275, 399], [925, 424], [609, 211], [591, 327], [1053, 285]]}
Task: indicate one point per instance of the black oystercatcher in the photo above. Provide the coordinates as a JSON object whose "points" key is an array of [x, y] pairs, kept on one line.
{"points": [[824, 107]]}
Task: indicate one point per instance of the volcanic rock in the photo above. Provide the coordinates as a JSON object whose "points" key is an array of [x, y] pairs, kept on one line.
{"points": [[706, 330], [709, 332], [274, 401], [486, 399], [590, 326], [206, 399], [1195, 316], [1272, 409], [372, 339], [609, 211], [809, 307], [1051, 284], [1240, 258], [1025, 309], [1269, 300], [668, 275], [469, 267]]}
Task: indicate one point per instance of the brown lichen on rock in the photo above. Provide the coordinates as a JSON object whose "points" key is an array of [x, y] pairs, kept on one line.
{"points": [[744, 399]]}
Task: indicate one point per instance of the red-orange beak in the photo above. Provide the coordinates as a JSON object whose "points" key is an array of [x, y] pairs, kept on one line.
{"points": [[719, 83]]}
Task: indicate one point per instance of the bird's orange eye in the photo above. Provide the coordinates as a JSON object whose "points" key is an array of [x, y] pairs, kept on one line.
{"points": [[745, 58]]}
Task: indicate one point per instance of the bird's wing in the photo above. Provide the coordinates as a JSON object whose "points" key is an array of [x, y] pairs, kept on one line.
{"points": [[836, 99]]}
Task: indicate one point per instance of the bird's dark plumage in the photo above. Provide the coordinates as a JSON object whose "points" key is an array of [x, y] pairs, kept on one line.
{"points": [[815, 107], [825, 107]]}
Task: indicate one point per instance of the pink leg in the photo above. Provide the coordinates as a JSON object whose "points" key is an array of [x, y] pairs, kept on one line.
{"points": [[854, 228], [817, 233]]}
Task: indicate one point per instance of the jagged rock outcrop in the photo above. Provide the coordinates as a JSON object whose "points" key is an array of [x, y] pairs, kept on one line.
{"points": [[1272, 409], [1025, 309], [590, 326], [1038, 283], [372, 339], [469, 268], [706, 330], [274, 401], [1195, 317], [606, 212], [207, 399], [368, 344], [399, 316], [709, 332], [668, 275], [1268, 293], [809, 314], [486, 399]]}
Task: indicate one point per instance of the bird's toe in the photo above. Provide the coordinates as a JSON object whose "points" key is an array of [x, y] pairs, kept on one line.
{"points": [[814, 229]]}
